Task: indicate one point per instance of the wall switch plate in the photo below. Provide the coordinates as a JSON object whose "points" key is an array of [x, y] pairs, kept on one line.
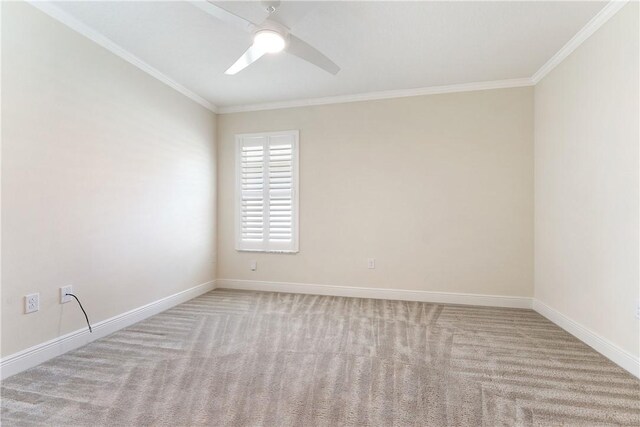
{"points": [[31, 303], [371, 263], [253, 265], [64, 290]]}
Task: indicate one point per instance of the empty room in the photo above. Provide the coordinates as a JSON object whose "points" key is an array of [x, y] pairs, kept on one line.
{"points": [[320, 213]]}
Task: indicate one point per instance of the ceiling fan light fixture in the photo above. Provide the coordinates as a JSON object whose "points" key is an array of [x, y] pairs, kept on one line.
{"points": [[268, 40]]}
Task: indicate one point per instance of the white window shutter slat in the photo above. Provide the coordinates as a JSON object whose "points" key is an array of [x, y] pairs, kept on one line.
{"points": [[266, 192]]}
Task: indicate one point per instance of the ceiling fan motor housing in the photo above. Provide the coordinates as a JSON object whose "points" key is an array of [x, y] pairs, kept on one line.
{"points": [[274, 26]]}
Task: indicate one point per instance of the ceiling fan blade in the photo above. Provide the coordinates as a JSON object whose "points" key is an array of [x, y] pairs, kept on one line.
{"points": [[250, 56], [224, 15], [310, 54]]}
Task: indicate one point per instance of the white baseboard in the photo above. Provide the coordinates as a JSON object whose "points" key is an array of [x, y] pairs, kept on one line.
{"points": [[378, 293], [40, 353], [603, 346]]}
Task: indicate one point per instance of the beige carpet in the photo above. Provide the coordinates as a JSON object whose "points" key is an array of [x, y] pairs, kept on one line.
{"points": [[249, 358]]}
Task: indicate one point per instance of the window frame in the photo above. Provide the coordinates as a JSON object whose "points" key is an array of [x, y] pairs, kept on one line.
{"points": [[266, 246]]}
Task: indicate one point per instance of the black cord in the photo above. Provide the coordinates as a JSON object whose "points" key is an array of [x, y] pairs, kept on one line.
{"points": [[82, 308]]}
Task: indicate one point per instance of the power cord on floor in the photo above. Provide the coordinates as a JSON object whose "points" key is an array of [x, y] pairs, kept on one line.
{"points": [[82, 308]]}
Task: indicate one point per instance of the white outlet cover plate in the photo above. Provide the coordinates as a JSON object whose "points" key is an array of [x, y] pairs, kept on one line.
{"points": [[63, 291], [31, 303]]}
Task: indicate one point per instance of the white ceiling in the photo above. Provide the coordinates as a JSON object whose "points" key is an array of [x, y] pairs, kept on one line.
{"points": [[379, 45]]}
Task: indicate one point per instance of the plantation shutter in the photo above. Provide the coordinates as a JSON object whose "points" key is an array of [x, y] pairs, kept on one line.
{"points": [[266, 192]]}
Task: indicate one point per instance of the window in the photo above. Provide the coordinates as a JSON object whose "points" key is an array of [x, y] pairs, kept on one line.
{"points": [[267, 192]]}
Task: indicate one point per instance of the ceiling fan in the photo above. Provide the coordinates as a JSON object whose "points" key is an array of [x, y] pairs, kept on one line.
{"points": [[271, 36]]}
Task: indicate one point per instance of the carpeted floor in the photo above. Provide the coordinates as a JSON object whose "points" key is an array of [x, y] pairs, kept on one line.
{"points": [[247, 358]]}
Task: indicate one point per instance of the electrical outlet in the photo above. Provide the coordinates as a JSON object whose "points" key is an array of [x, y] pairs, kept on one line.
{"points": [[371, 263], [63, 294], [31, 303], [638, 310], [253, 265]]}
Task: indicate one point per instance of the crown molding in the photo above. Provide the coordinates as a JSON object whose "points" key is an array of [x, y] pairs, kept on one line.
{"points": [[371, 96], [609, 10], [581, 36], [71, 22]]}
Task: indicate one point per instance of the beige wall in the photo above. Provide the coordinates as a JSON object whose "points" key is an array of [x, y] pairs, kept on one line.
{"points": [[438, 189], [108, 181], [586, 183], [108, 184]]}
